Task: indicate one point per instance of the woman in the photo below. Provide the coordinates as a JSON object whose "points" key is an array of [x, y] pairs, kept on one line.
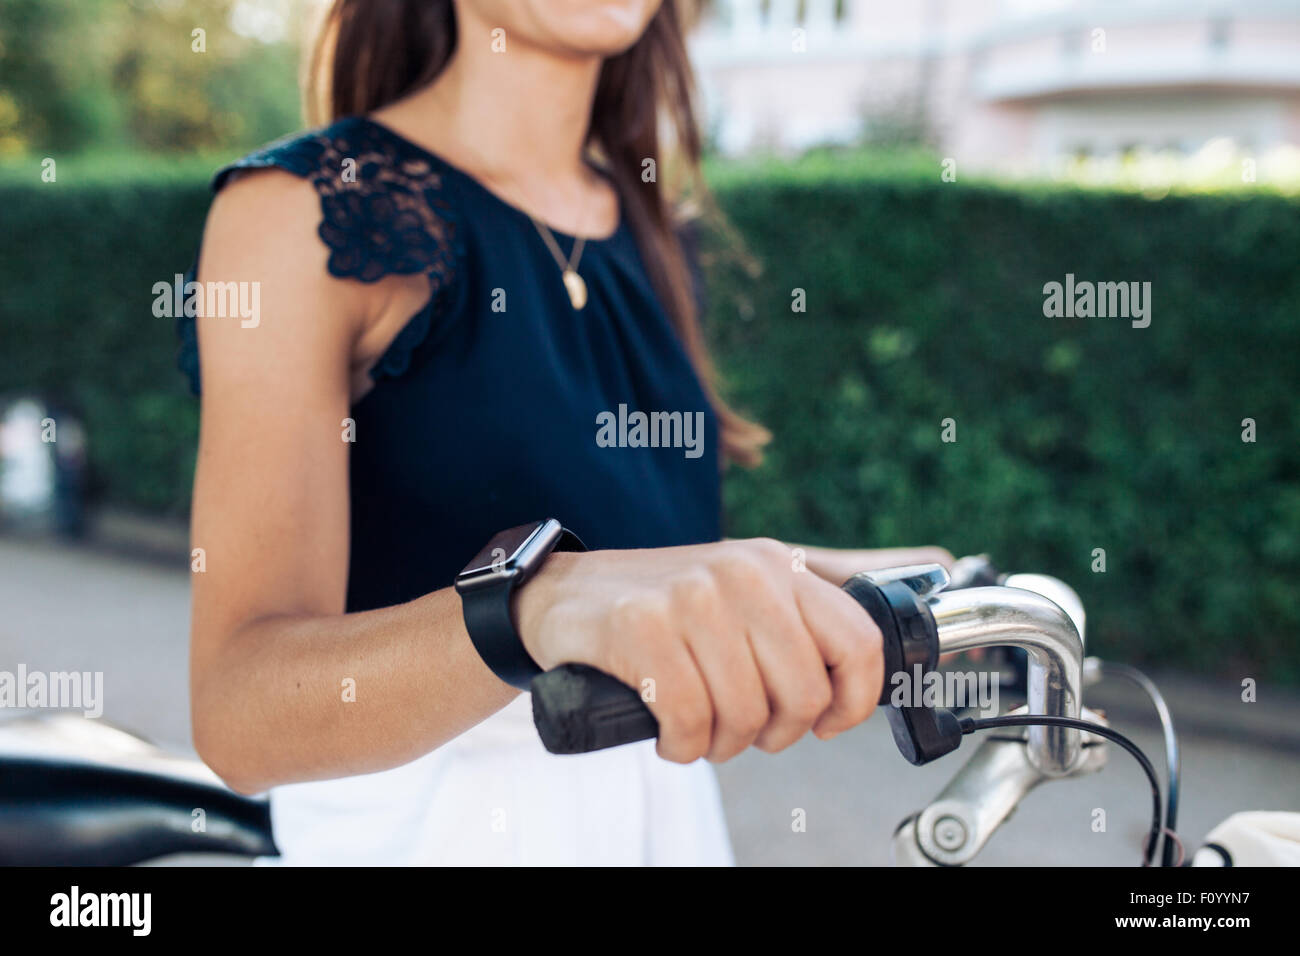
{"points": [[459, 280]]}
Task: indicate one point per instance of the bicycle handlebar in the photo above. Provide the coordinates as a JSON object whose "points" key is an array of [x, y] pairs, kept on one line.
{"points": [[578, 709]]}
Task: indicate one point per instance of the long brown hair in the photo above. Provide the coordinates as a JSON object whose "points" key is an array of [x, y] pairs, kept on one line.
{"points": [[370, 53]]}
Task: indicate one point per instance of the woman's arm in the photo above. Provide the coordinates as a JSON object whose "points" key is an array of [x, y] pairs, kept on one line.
{"points": [[271, 647]]}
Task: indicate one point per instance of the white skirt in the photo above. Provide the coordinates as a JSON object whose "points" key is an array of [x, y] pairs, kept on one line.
{"points": [[495, 797]]}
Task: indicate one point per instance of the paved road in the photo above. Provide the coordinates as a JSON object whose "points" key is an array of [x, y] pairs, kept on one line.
{"points": [[73, 609]]}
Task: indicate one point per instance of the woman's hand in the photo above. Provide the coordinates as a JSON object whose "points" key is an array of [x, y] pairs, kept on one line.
{"points": [[742, 645]]}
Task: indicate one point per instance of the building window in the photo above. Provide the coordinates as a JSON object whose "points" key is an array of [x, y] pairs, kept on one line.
{"points": [[1220, 33]]}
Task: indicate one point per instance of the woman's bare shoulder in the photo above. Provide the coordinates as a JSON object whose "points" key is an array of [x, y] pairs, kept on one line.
{"points": [[261, 240], [348, 231]]}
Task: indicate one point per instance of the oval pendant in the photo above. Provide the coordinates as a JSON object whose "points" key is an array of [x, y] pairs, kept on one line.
{"points": [[576, 287]]}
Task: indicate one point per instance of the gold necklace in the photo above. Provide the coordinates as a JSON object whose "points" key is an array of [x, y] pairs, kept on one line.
{"points": [[573, 283]]}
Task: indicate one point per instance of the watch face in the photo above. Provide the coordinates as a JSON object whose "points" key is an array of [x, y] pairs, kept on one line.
{"points": [[499, 554]]}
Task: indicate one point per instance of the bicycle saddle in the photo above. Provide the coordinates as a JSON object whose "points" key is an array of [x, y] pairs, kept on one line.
{"points": [[76, 791]]}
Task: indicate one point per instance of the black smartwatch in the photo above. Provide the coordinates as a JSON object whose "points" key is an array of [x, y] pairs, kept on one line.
{"points": [[485, 586]]}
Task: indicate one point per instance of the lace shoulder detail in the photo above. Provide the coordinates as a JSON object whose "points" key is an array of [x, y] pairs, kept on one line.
{"points": [[382, 200], [384, 211]]}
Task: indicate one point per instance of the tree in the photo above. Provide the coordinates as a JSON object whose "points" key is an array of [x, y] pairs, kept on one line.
{"points": [[160, 75]]}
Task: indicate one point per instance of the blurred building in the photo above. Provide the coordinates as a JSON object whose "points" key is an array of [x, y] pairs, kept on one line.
{"points": [[1005, 84]]}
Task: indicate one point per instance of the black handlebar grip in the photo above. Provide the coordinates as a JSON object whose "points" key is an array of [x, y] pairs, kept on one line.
{"points": [[578, 709]]}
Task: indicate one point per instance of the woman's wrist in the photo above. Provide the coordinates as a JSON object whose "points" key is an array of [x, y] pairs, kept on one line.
{"points": [[530, 602]]}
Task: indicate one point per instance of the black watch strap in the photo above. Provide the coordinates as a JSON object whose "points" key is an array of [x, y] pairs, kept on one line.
{"points": [[491, 626]]}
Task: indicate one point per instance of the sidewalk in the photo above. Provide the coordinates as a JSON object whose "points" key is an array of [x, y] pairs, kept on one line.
{"points": [[93, 608]]}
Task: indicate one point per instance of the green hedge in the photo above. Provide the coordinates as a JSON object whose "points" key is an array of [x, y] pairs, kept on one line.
{"points": [[77, 267], [924, 302]]}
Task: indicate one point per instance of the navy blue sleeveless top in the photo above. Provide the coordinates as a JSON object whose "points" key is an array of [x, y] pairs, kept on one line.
{"points": [[498, 403]]}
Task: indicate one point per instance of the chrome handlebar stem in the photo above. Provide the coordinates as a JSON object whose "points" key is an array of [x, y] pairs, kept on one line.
{"points": [[1045, 617], [958, 823]]}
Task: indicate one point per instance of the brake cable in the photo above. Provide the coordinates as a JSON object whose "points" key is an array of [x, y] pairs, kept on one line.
{"points": [[971, 724], [1172, 762]]}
